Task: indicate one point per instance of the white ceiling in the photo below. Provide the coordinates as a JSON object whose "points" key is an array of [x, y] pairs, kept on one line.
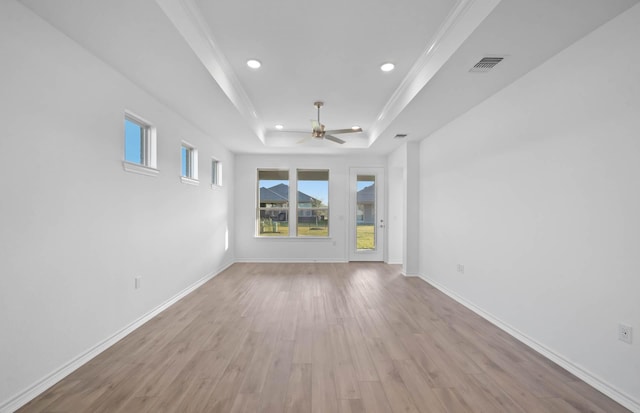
{"points": [[191, 55]]}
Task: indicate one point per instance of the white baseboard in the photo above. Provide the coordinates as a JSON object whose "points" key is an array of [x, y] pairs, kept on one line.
{"points": [[579, 372], [394, 262], [290, 260], [43, 384]]}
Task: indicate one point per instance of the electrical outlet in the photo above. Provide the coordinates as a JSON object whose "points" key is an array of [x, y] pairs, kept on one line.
{"points": [[624, 333], [137, 282], [461, 268]]}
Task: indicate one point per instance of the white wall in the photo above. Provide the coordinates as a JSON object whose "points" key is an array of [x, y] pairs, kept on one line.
{"points": [[335, 248], [396, 167], [403, 202], [76, 228], [536, 192]]}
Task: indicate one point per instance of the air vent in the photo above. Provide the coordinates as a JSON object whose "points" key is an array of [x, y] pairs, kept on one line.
{"points": [[485, 64], [400, 136]]}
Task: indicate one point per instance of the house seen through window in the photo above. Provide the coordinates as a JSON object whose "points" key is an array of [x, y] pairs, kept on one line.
{"points": [[313, 203], [273, 203]]}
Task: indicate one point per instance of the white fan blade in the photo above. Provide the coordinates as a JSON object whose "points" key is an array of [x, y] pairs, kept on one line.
{"points": [[334, 139], [350, 130]]}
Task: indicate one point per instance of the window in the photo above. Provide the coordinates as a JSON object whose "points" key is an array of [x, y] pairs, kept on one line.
{"points": [[189, 164], [139, 145], [216, 172], [313, 203], [273, 203]]}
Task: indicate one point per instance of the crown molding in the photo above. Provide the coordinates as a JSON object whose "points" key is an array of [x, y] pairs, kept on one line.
{"points": [[187, 18], [463, 19]]}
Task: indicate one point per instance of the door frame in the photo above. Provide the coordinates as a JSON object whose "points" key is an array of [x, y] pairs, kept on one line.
{"points": [[380, 220]]}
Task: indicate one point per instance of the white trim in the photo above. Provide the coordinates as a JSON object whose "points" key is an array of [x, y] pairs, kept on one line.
{"points": [[291, 238], [33, 391], [187, 18], [394, 262], [292, 260], [463, 19], [139, 169], [586, 376], [190, 181]]}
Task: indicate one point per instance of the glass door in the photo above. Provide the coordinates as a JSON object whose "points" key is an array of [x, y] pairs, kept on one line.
{"points": [[367, 214]]}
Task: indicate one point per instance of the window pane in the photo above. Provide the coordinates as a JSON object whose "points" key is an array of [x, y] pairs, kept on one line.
{"points": [[313, 222], [133, 142], [313, 203], [274, 222], [185, 161], [273, 203], [366, 213]]}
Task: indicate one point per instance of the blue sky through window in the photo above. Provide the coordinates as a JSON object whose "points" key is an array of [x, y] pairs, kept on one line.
{"points": [[184, 152], [316, 189], [133, 142], [363, 184]]}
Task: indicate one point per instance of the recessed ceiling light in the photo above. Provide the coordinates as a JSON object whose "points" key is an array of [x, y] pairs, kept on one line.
{"points": [[279, 127], [253, 63], [356, 127], [387, 67]]}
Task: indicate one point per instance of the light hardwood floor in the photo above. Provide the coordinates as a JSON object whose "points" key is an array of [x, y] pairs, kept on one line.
{"points": [[319, 338]]}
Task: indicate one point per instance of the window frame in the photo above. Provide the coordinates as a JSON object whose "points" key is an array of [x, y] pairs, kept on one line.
{"points": [[216, 173], [308, 211], [292, 206], [191, 166], [148, 144], [259, 209]]}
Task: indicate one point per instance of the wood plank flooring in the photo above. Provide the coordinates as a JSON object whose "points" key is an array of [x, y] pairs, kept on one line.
{"points": [[321, 338]]}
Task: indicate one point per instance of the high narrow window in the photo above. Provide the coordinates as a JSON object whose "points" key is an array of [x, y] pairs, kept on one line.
{"points": [[216, 172], [135, 141], [189, 163], [273, 203], [139, 145], [313, 203]]}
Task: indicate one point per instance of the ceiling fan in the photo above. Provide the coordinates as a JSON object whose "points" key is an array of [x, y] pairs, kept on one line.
{"points": [[319, 133]]}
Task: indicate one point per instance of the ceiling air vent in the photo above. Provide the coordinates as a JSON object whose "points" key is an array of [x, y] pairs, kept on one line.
{"points": [[485, 64], [400, 136]]}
